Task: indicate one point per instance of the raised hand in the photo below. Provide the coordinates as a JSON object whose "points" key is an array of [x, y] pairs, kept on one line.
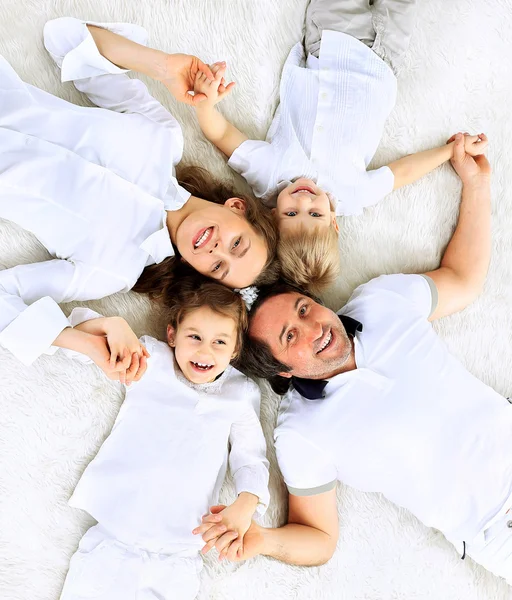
{"points": [[474, 145], [180, 75], [212, 91], [471, 168]]}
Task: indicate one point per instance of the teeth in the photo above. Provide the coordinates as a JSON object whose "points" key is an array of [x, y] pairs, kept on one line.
{"points": [[202, 365], [327, 341], [202, 238]]}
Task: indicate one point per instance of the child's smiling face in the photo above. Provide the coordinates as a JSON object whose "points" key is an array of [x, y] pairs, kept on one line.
{"points": [[303, 202], [204, 344]]}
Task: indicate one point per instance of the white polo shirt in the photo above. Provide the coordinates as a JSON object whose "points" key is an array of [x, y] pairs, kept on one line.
{"points": [[93, 185], [409, 422], [164, 462], [327, 127]]}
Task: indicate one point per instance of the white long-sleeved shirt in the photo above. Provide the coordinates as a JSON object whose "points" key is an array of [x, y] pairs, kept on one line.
{"points": [[92, 185], [327, 127], [163, 464]]}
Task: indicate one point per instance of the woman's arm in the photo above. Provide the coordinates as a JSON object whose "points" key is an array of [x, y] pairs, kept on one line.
{"points": [[414, 166]]}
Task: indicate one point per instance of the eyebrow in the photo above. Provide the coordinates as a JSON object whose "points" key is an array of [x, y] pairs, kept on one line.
{"points": [[286, 325], [224, 275]]}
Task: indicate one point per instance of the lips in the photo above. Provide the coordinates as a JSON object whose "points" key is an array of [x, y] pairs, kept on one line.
{"points": [[303, 189], [325, 342], [202, 237]]}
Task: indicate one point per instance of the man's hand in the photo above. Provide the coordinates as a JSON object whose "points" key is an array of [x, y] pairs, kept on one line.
{"points": [[226, 527], [180, 75], [469, 163], [213, 91]]}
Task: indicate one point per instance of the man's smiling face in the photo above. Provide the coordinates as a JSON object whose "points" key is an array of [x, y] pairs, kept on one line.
{"points": [[302, 334]]}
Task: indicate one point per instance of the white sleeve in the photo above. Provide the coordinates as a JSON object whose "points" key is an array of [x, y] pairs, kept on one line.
{"points": [[306, 469], [371, 188], [419, 291], [255, 161], [247, 457], [72, 47], [30, 318]]}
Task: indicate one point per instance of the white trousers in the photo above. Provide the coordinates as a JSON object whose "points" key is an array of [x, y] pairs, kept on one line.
{"points": [[105, 569], [493, 548]]}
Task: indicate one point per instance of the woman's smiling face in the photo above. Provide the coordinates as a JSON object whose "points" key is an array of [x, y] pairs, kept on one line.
{"points": [[219, 242]]}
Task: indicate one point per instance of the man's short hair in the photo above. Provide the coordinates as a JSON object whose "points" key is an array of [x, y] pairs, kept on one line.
{"points": [[256, 358]]}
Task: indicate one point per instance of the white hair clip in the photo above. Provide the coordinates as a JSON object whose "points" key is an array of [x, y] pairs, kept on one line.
{"points": [[249, 295]]}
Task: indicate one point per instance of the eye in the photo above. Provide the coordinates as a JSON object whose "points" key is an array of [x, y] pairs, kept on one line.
{"points": [[237, 243], [289, 336], [315, 214], [302, 310], [193, 336], [291, 213], [216, 267], [221, 342]]}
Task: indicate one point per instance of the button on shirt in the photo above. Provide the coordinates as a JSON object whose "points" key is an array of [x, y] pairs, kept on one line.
{"points": [[410, 422], [92, 185], [163, 464], [327, 128]]}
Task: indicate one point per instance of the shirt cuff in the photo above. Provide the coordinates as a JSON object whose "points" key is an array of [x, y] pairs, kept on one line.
{"points": [[254, 481], [34, 330], [73, 48], [81, 315]]}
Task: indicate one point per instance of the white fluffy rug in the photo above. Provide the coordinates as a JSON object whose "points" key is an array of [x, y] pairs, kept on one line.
{"points": [[55, 414]]}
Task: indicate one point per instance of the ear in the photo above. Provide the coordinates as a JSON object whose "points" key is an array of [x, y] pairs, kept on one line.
{"points": [[171, 334], [273, 211], [238, 204], [335, 222], [285, 375]]}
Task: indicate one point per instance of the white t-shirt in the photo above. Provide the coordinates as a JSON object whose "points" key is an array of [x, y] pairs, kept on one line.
{"points": [[410, 422], [164, 462], [327, 128]]}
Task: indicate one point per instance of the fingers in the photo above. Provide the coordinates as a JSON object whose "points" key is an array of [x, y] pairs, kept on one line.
{"points": [[458, 151], [143, 365], [212, 518], [214, 532], [122, 377], [204, 529], [205, 69], [233, 551], [224, 542], [217, 508], [133, 368]]}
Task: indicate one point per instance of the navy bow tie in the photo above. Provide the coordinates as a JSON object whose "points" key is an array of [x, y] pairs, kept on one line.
{"points": [[313, 389]]}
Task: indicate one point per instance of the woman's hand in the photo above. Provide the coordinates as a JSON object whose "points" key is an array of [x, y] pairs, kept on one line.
{"points": [[473, 169], [213, 91], [474, 145], [127, 355], [180, 75]]}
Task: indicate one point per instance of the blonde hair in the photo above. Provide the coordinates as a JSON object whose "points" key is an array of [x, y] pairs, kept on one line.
{"points": [[310, 258]]}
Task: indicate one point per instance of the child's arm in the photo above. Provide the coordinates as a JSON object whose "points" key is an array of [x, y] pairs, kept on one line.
{"points": [[215, 127], [248, 463], [410, 168]]}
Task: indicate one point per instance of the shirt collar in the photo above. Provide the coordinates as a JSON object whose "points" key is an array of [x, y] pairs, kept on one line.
{"points": [[313, 389]]}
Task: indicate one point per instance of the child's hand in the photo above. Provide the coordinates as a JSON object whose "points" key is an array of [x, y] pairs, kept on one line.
{"points": [[472, 170], [215, 90], [474, 145], [226, 528], [127, 355]]}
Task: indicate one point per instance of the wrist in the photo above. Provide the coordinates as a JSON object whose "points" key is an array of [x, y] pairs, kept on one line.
{"points": [[477, 183], [247, 501]]}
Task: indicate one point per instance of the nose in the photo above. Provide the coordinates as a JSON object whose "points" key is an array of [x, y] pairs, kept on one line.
{"points": [[214, 247], [313, 330]]}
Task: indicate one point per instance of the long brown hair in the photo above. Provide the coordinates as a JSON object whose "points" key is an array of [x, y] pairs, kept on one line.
{"points": [[155, 279]]}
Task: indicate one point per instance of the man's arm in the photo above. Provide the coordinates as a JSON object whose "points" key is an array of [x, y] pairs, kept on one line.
{"points": [[464, 265], [414, 166], [309, 538]]}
